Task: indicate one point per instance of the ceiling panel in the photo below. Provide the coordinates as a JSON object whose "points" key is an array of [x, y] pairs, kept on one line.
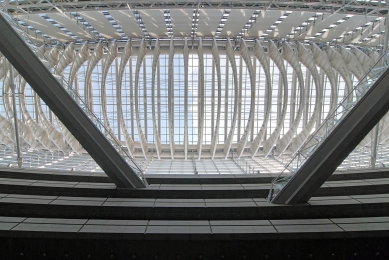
{"points": [[181, 21], [98, 21], [37, 38], [70, 25], [127, 22], [320, 24], [209, 20], [370, 30], [155, 22], [44, 26], [294, 20], [344, 27], [235, 22], [263, 22]]}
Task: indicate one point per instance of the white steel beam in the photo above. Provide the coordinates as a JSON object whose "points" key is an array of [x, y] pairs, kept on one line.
{"points": [[93, 61], [231, 58], [247, 59], [141, 56], [200, 98], [263, 59], [157, 51], [123, 62], [352, 63], [25, 132], [275, 55], [107, 62], [339, 65], [321, 60], [186, 69], [38, 131], [216, 59], [306, 59], [291, 57], [81, 57], [171, 98]]}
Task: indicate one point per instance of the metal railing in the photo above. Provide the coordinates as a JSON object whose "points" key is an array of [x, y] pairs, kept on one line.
{"points": [[328, 125], [92, 116], [243, 164]]}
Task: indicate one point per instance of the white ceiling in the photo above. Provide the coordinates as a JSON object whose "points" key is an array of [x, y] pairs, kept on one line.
{"points": [[209, 21]]}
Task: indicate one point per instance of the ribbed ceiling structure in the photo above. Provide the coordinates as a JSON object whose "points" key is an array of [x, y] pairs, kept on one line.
{"points": [[193, 80]]}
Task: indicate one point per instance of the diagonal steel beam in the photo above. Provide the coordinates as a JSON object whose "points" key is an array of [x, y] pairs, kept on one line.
{"points": [[65, 108], [361, 119]]}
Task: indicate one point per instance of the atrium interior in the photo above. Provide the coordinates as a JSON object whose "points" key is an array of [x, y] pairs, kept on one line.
{"points": [[207, 112]]}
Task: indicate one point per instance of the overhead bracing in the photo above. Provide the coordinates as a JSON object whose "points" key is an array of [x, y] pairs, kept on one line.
{"points": [[66, 109], [360, 7]]}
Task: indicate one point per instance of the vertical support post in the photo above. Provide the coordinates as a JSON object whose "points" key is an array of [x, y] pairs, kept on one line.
{"points": [[19, 157]]}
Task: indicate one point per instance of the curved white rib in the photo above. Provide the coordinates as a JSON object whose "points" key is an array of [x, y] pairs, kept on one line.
{"points": [[6, 132], [291, 57], [263, 59], [53, 55], [141, 56], [157, 51], [216, 58], [200, 98], [374, 56], [66, 58], [305, 57], [3, 69], [322, 61], [365, 61], [94, 59], [38, 131], [339, 65], [352, 62], [52, 132], [82, 56], [244, 52], [109, 58], [126, 55], [171, 99], [25, 132], [186, 68], [6, 129], [231, 59], [275, 55]]}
